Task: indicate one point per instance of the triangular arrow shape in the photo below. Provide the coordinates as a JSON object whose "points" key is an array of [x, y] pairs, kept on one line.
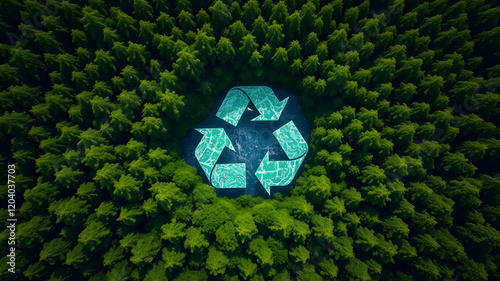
{"points": [[277, 173], [281, 173], [269, 173], [210, 148], [265, 101]]}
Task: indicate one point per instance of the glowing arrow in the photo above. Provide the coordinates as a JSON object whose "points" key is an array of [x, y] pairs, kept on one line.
{"points": [[229, 175], [264, 99], [277, 173], [233, 106], [210, 148], [281, 173], [291, 140]]}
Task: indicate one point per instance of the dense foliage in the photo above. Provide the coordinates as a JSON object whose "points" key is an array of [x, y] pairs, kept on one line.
{"points": [[402, 180]]}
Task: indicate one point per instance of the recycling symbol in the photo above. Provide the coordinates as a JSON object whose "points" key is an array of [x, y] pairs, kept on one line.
{"points": [[214, 140]]}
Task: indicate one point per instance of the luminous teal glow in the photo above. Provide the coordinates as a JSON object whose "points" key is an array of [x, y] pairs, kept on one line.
{"points": [[269, 173], [233, 106], [280, 173], [264, 99], [229, 175], [210, 148], [277, 173], [291, 140]]}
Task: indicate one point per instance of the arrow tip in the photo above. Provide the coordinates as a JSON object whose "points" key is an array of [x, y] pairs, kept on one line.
{"points": [[260, 174], [227, 141], [213, 133], [268, 189], [273, 114], [284, 101], [230, 145], [264, 161]]}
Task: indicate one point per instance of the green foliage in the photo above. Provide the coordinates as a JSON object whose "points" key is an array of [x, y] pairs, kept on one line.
{"points": [[130, 214], [188, 65], [71, 211], [94, 236], [400, 182], [33, 231], [261, 250], [128, 188], [167, 194], [221, 17], [274, 35], [172, 259], [357, 269], [195, 239], [245, 226], [54, 251], [226, 237], [216, 262], [146, 249]]}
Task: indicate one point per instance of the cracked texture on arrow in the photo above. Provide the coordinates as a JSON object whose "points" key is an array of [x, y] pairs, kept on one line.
{"points": [[229, 175], [291, 140], [277, 173], [210, 148], [265, 101], [280, 173], [233, 106], [269, 173]]}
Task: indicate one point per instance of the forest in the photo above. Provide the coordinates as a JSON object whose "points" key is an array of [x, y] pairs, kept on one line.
{"points": [[402, 180]]}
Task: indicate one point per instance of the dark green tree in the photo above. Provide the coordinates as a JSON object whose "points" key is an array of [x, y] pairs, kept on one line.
{"points": [[221, 17]]}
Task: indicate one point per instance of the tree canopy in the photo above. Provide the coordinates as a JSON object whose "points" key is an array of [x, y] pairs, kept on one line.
{"points": [[401, 178]]}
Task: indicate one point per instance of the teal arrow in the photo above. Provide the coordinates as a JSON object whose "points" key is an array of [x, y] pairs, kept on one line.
{"points": [[264, 99], [291, 140], [277, 173], [229, 176], [210, 148], [281, 173], [233, 106], [269, 173]]}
